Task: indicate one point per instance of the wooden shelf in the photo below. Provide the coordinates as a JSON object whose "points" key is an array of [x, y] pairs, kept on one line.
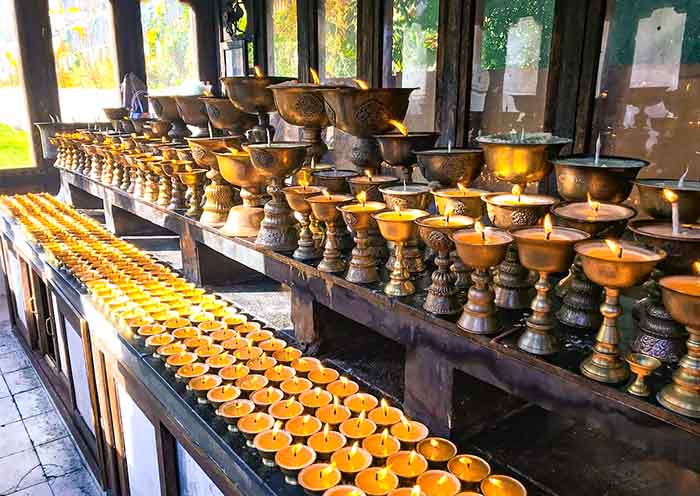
{"points": [[435, 347]]}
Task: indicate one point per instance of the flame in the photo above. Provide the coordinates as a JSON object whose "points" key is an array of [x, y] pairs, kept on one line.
{"points": [[614, 247], [412, 457], [434, 443], [517, 191], [462, 187], [397, 209], [385, 407], [353, 450], [296, 449], [304, 179], [400, 126], [381, 474], [258, 71], [276, 428], [595, 205], [305, 419], [362, 198], [479, 228], [344, 381], [464, 460], [227, 388], [328, 470], [547, 226], [336, 402], [442, 480], [289, 402], [326, 193], [256, 419], [361, 418], [496, 482], [369, 174], [326, 429], [449, 210], [405, 422], [384, 436], [669, 195], [362, 84], [317, 392], [278, 369], [314, 76], [696, 267], [415, 491]]}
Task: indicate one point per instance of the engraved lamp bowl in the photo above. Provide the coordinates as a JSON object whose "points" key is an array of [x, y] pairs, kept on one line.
{"points": [[301, 104], [251, 94], [548, 255], [223, 115], [203, 148], [609, 271], [164, 107], [192, 110], [399, 150], [279, 159], [609, 181], [237, 169], [451, 167]]}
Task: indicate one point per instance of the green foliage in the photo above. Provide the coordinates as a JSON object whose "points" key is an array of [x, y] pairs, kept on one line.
{"points": [[14, 148], [284, 40], [409, 15], [340, 37], [499, 16]]}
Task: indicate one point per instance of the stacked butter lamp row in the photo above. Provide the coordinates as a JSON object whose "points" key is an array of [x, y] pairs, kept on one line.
{"points": [[314, 424]]}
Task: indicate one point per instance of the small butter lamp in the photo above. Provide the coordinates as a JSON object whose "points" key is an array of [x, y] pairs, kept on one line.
{"points": [[381, 446], [263, 398], [344, 490], [279, 373], [222, 394], [481, 248], [615, 265], [324, 208], [641, 365], [303, 427], [319, 477], [232, 411], [333, 414], [408, 465], [202, 385], [326, 442], [362, 268], [323, 375], [377, 481], [399, 227], [436, 231], [251, 383], [295, 385], [439, 483], [232, 373], [304, 365], [410, 491], [385, 415], [438, 451], [286, 409], [194, 180], [350, 460], [409, 432], [502, 485], [253, 424], [268, 443], [469, 469], [343, 387], [296, 197], [544, 249], [358, 428], [292, 459], [360, 402], [287, 355], [315, 398]]}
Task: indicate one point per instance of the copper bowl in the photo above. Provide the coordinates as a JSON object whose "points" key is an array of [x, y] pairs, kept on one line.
{"points": [[400, 150], [164, 107], [192, 110], [653, 204], [301, 104], [251, 94], [681, 251], [223, 115], [610, 181], [449, 168]]}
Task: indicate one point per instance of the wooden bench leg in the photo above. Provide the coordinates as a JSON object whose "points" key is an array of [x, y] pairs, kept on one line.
{"points": [[428, 389], [123, 223], [77, 197], [304, 313]]}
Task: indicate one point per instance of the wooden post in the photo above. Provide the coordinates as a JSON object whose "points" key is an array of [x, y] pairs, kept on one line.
{"points": [[128, 36], [369, 41], [307, 29], [304, 310], [123, 223]]}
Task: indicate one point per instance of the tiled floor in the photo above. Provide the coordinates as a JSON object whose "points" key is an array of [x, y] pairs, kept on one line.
{"points": [[37, 456]]}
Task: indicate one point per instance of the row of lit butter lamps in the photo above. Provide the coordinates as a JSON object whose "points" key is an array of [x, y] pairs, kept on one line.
{"points": [[264, 389]]}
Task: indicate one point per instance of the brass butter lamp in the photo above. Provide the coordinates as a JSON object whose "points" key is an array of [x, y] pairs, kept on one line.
{"points": [[641, 365], [362, 268], [297, 198], [325, 209], [225, 117], [399, 149], [481, 248], [681, 296], [399, 227], [546, 250], [615, 265], [165, 109], [447, 167], [193, 112], [194, 180]]}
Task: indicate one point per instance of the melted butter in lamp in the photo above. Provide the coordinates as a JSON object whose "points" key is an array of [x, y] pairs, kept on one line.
{"points": [[280, 373], [295, 457], [334, 413], [351, 459], [296, 385], [234, 372], [417, 491], [233, 320], [250, 383], [323, 375], [260, 336], [171, 349], [616, 252], [263, 398], [385, 415], [469, 468], [303, 426], [159, 340], [209, 350], [344, 490], [688, 285], [400, 216], [409, 431], [205, 382], [502, 485], [235, 409], [254, 423], [287, 355], [186, 332], [220, 361], [261, 364], [235, 343], [343, 387], [439, 483], [272, 345], [303, 365], [286, 409], [453, 221], [195, 342], [180, 359], [223, 394], [271, 441], [407, 464], [326, 441], [376, 481], [381, 445], [606, 212], [247, 328], [358, 428], [360, 402], [247, 353], [437, 449], [315, 398], [222, 335], [319, 477], [192, 370]]}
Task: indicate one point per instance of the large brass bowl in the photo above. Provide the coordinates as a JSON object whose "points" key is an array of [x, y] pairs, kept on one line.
{"points": [[203, 148], [164, 107], [596, 228], [681, 297], [297, 195], [301, 104], [237, 169], [251, 94], [400, 150], [364, 113], [547, 255], [223, 115], [279, 159], [192, 110], [611, 272], [519, 161], [509, 216], [653, 204], [449, 168], [610, 181], [681, 251], [397, 229]]}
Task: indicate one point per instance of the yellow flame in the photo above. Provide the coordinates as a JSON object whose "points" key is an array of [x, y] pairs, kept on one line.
{"points": [[289, 402], [405, 422], [362, 84], [385, 407], [400, 126], [614, 247], [385, 435], [381, 474], [304, 179], [547, 226], [258, 71], [397, 208], [276, 428], [449, 210], [412, 457], [595, 205], [442, 480], [344, 381], [305, 419], [696, 267], [314, 76], [462, 187], [362, 198], [328, 470], [369, 174], [317, 392], [270, 390], [415, 491], [496, 482], [353, 450], [296, 449], [479, 228], [326, 193], [517, 191], [464, 460], [257, 417], [361, 418], [434, 443], [670, 195], [326, 430]]}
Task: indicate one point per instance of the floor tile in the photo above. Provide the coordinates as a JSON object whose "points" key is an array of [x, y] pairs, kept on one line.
{"points": [[4, 391], [59, 457], [33, 402], [42, 489], [78, 483], [13, 439], [8, 411], [20, 471], [22, 380], [15, 360], [9, 343], [45, 428]]}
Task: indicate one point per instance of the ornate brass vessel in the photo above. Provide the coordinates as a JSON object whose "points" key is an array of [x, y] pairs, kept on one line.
{"points": [[172, 168], [610, 180], [297, 199], [362, 268], [225, 117], [165, 109], [399, 151], [325, 209], [192, 110], [642, 366], [449, 167], [194, 180]]}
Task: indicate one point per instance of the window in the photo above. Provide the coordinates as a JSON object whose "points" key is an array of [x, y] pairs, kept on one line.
{"points": [[85, 56], [414, 39], [337, 37], [170, 46], [649, 85], [283, 57], [15, 149], [512, 42]]}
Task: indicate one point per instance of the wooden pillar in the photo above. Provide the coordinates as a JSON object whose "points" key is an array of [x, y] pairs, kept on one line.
{"points": [[369, 41], [207, 27], [128, 36], [307, 36], [304, 314], [256, 14]]}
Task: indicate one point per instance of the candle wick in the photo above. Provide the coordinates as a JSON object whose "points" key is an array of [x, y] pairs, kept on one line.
{"points": [[619, 253], [547, 235]]}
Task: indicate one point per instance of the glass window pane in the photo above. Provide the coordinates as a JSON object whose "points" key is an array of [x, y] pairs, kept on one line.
{"points": [[648, 85], [282, 37], [170, 45], [85, 55], [414, 41], [15, 149], [193, 481], [337, 38], [512, 42]]}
